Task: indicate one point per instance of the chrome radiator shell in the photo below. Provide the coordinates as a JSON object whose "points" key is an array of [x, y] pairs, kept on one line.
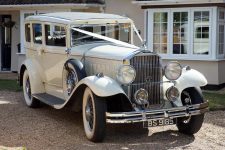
{"points": [[148, 76]]}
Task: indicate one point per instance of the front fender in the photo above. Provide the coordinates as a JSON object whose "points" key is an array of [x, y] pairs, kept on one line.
{"points": [[34, 75], [102, 86], [189, 78]]}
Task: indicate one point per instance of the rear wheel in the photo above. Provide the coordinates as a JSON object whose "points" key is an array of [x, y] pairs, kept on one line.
{"points": [[191, 125], [94, 120], [29, 99]]}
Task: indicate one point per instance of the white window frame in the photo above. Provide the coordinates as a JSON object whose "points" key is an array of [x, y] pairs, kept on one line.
{"points": [[171, 36], [190, 55]]}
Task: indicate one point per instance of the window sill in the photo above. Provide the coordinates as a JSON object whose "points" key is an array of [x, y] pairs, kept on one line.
{"points": [[187, 58]]}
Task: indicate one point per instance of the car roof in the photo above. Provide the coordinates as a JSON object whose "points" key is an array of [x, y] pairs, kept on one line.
{"points": [[71, 17]]}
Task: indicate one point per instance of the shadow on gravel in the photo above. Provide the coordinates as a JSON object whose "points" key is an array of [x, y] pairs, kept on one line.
{"points": [[136, 135]]}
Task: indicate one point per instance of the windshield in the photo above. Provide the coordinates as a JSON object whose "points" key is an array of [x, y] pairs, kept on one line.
{"points": [[120, 32]]}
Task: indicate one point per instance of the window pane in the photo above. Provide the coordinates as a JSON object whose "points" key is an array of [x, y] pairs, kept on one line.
{"points": [[160, 32], [176, 17], [157, 27], [157, 17], [163, 17], [201, 32], [27, 32], [221, 39], [37, 33], [55, 37], [184, 17], [221, 15], [180, 32], [197, 16], [124, 32]]}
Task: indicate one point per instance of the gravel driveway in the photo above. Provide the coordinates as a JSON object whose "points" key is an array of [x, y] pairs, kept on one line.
{"points": [[46, 128]]}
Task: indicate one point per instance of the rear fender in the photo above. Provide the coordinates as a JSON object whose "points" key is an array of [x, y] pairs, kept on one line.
{"points": [[36, 80]]}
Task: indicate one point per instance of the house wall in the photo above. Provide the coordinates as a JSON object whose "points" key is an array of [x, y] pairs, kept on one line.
{"points": [[126, 8], [15, 40], [221, 70]]}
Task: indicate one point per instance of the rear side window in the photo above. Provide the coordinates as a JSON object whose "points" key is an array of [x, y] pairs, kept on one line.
{"points": [[55, 35], [37, 33], [27, 32]]}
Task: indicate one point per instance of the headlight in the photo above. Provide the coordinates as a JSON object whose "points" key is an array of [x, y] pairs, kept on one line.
{"points": [[141, 97], [126, 74], [172, 93], [173, 70]]}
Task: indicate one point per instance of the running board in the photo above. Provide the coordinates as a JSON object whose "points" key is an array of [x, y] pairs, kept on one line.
{"points": [[49, 99]]}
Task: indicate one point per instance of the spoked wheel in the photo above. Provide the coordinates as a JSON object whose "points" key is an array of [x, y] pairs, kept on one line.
{"points": [[93, 111], [191, 125], [70, 80], [29, 99]]}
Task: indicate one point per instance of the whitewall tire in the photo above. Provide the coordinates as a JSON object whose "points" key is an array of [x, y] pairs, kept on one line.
{"points": [[29, 99], [93, 112]]}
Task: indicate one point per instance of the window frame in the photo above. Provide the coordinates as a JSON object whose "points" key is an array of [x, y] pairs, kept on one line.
{"points": [[26, 34], [190, 54]]}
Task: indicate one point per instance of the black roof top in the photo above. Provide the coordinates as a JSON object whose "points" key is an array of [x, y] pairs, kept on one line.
{"points": [[26, 2]]}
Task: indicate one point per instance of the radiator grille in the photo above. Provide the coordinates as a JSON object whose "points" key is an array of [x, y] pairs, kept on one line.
{"points": [[148, 68]]}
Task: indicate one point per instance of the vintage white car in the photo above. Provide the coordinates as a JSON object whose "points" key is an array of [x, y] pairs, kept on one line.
{"points": [[87, 62]]}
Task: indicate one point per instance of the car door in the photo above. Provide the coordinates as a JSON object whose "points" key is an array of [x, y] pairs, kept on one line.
{"points": [[54, 57]]}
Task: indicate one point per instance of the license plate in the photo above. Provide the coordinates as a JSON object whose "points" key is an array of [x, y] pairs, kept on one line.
{"points": [[159, 122]]}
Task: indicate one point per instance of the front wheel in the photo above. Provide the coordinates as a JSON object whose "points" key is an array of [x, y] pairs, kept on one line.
{"points": [[191, 125], [93, 111]]}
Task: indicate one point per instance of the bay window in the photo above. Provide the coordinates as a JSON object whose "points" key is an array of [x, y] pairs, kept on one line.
{"points": [[183, 33]]}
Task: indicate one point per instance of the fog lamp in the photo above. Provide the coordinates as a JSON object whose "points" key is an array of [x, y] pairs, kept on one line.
{"points": [[141, 97], [172, 93]]}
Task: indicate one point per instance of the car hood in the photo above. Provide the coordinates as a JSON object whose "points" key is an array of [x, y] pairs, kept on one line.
{"points": [[104, 51]]}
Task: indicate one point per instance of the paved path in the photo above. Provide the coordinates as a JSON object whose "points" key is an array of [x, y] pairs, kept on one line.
{"points": [[46, 128]]}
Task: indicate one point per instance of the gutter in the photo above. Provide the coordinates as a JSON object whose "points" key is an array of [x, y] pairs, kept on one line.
{"points": [[176, 2], [68, 5]]}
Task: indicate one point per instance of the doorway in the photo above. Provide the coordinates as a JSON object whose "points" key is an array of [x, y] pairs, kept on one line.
{"points": [[5, 43]]}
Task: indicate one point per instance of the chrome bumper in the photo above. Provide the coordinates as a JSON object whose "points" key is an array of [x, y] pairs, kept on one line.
{"points": [[141, 116]]}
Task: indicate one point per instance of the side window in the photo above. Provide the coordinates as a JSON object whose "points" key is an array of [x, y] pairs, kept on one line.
{"points": [[27, 32], [55, 35], [37, 33]]}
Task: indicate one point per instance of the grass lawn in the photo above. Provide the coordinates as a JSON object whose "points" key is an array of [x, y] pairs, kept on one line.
{"points": [[216, 100], [10, 85]]}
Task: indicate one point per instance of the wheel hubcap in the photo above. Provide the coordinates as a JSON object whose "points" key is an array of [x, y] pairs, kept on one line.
{"points": [[27, 88], [71, 81], [89, 113], [187, 101]]}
